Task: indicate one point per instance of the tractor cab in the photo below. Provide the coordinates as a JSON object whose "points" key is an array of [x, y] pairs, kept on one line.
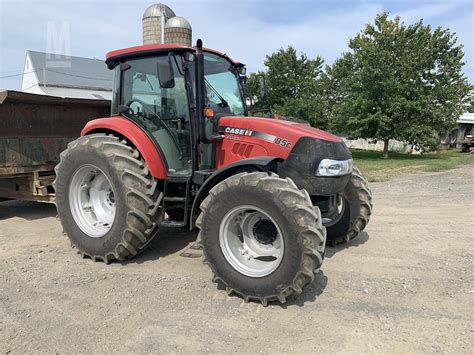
{"points": [[155, 87]]}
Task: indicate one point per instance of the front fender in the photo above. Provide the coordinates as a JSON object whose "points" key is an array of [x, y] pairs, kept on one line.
{"points": [[133, 133], [264, 163]]}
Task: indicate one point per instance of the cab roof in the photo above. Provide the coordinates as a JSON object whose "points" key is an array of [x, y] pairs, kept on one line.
{"points": [[113, 57]]}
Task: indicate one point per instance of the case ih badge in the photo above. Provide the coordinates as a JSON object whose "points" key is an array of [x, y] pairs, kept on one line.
{"points": [[260, 135]]}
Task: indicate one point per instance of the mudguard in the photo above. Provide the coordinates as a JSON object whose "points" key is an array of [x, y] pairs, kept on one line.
{"points": [[264, 163], [133, 133]]}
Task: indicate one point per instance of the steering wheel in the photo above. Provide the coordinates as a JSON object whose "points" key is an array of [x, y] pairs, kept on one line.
{"points": [[170, 132], [142, 103]]}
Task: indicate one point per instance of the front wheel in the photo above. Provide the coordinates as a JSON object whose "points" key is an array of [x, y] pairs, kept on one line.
{"points": [[352, 212], [261, 236], [106, 199]]}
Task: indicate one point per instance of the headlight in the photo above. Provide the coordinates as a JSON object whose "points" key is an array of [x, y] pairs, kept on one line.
{"points": [[330, 167]]}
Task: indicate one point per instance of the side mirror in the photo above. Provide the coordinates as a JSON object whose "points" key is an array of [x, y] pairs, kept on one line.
{"points": [[165, 72], [242, 70], [263, 88]]}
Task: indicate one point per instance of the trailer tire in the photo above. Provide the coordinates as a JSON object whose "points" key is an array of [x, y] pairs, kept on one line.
{"points": [[357, 209], [136, 198], [298, 232]]}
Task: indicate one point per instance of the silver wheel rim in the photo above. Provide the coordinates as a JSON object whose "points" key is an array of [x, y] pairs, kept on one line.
{"points": [[92, 201], [336, 216], [251, 241]]}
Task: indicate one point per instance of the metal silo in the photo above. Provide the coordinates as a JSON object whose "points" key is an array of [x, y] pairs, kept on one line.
{"points": [[154, 20], [178, 31]]}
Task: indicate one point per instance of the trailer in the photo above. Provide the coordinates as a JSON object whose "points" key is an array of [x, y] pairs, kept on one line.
{"points": [[34, 130]]}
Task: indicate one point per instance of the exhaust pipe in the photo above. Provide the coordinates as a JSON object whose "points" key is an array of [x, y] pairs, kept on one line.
{"points": [[201, 98]]}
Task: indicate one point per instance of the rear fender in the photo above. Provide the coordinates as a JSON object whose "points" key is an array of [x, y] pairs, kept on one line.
{"points": [[264, 163], [133, 133]]}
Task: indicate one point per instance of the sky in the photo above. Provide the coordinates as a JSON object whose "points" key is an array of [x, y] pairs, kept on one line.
{"points": [[245, 30]]}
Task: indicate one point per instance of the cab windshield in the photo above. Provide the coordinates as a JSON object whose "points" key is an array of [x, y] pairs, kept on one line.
{"points": [[223, 90]]}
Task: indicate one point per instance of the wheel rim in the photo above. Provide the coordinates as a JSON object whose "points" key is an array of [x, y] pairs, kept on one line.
{"points": [[331, 219], [251, 241], [92, 201]]}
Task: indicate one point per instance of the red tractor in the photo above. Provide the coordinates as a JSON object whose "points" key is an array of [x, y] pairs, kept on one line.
{"points": [[180, 150]]}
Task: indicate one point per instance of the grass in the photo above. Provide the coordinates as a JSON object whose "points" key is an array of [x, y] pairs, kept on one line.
{"points": [[376, 168]]}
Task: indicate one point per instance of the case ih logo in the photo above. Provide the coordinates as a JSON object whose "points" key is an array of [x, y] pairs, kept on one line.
{"points": [[260, 135], [239, 131]]}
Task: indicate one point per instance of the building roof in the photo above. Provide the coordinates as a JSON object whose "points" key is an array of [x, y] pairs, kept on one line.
{"points": [[466, 118], [77, 93], [70, 72]]}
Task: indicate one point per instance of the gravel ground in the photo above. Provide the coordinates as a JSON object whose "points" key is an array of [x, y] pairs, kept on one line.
{"points": [[405, 285]]}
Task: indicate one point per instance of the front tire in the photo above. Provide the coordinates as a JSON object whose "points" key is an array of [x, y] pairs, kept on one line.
{"points": [[107, 201], [261, 236], [356, 200]]}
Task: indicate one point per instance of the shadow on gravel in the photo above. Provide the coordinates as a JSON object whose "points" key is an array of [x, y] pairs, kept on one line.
{"points": [[310, 292], [167, 242], [172, 240], [362, 238], [27, 210]]}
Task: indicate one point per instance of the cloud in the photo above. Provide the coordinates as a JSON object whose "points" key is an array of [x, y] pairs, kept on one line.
{"points": [[246, 30], [250, 38]]}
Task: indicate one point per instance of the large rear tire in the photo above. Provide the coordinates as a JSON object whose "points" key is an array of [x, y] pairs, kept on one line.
{"points": [[356, 200], [261, 237], [107, 201]]}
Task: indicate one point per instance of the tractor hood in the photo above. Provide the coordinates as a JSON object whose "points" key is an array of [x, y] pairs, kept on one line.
{"points": [[299, 147], [267, 137], [265, 127], [270, 137]]}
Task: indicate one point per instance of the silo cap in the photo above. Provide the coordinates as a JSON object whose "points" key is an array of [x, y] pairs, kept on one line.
{"points": [[158, 10], [178, 22]]}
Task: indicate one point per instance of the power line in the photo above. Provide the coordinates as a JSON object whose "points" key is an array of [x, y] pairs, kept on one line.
{"points": [[11, 76], [11, 71], [57, 72]]}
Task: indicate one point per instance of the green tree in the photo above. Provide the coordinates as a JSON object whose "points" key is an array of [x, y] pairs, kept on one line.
{"points": [[398, 82], [294, 86], [252, 91]]}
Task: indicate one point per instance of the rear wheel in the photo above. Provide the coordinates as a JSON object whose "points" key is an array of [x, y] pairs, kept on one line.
{"points": [[352, 212], [106, 199], [261, 236]]}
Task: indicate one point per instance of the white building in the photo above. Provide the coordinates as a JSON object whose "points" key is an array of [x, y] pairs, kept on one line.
{"points": [[66, 76]]}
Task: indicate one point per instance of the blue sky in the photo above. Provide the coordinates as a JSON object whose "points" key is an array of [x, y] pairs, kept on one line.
{"points": [[245, 30]]}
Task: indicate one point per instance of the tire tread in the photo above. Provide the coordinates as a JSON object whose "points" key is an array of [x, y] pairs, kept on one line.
{"points": [[139, 185], [308, 223]]}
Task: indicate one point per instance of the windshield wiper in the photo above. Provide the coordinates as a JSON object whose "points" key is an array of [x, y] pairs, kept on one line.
{"points": [[223, 101]]}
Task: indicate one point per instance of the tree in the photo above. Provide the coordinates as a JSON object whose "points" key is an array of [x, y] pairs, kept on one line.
{"points": [[294, 86], [252, 91], [398, 82]]}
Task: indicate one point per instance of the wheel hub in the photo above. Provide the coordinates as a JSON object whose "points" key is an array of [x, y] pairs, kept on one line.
{"points": [[92, 201], [336, 210], [111, 198], [251, 241], [265, 231]]}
